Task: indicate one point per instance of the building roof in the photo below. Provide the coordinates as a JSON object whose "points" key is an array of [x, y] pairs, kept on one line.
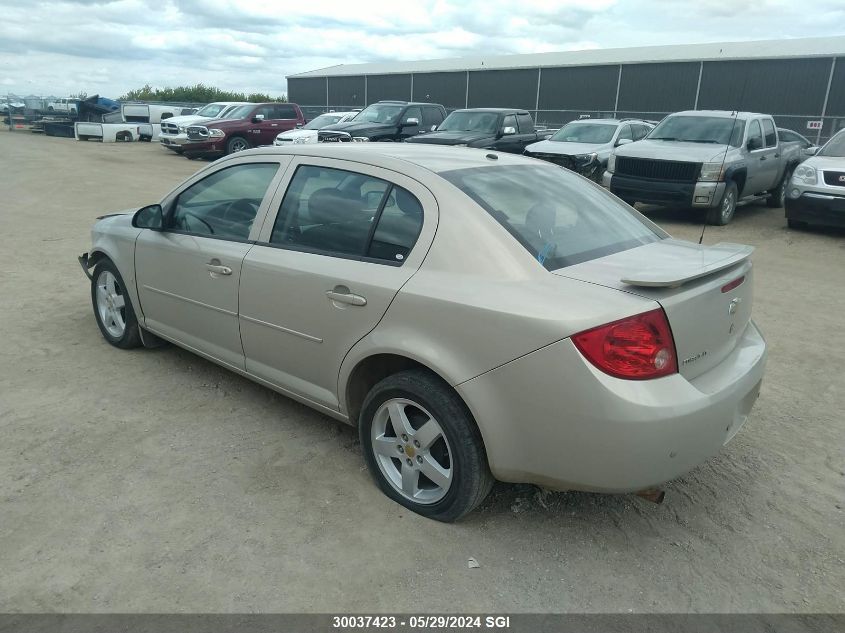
{"points": [[783, 48]]}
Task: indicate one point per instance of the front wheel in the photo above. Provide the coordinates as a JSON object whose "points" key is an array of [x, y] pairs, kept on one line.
{"points": [[113, 308], [724, 213], [422, 446], [236, 144], [777, 199]]}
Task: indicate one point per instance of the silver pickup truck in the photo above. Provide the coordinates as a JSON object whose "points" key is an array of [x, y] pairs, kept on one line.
{"points": [[709, 159]]}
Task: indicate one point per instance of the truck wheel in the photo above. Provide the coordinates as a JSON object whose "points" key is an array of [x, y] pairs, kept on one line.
{"points": [[236, 144], [777, 199], [724, 213]]}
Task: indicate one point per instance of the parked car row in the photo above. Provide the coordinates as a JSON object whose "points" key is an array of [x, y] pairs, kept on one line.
{"points": [[710, 160]]}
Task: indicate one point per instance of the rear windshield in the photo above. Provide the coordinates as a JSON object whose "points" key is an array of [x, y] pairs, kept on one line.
{"points": [[560, 218]]}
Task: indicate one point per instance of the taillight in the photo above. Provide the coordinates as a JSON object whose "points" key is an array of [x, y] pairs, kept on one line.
{"points": [[637, 348]]}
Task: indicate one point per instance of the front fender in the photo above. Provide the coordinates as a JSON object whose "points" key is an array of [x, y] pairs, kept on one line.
{"points": [[114, 238]]}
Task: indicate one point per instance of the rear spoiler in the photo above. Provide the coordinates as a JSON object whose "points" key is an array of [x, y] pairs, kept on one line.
{"points": [[702, 261]]}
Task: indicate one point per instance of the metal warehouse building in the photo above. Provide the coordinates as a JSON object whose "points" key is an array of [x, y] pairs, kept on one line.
{"points": [[799, 81]]}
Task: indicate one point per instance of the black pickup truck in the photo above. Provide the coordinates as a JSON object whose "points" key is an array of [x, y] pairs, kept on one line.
{"points": [[501, 129], [389, 121]]}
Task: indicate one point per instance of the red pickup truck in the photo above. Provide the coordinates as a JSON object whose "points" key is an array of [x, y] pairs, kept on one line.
{"points": [[248, 126]]}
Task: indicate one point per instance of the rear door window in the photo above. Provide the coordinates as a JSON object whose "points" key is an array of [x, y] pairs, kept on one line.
{"points": [[347, 214], [432, 117], [552, 214], [284, 112]]}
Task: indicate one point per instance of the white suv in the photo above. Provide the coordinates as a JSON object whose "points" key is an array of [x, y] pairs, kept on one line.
{"points": [[174, 131]]}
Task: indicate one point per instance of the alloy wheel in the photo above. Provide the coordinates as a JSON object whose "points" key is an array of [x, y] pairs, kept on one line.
{"points": [[412, 451], [111, 304]]}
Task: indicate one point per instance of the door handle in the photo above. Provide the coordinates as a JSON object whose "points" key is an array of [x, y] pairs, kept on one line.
{"points": [[215, 268], [346, 297]]}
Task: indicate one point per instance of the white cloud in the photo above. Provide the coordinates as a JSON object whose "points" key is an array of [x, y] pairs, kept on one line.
{"points": [[111, 46]]}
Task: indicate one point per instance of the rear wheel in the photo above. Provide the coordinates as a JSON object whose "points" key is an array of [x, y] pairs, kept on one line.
{"points": [[777, 199], [113, 308], [724, 213], [236, 144], [422, 446]]}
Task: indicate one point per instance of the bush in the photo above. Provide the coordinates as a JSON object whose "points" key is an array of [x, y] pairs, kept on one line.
{"points": [[199, 93]]}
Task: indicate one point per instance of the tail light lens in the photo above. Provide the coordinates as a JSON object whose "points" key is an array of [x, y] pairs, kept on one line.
{"points": [[640, 347]]}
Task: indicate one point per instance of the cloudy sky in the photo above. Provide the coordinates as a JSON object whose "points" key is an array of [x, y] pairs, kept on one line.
{"points": [[61, 47]]}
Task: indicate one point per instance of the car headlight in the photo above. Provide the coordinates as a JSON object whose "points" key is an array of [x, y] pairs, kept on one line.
{"points": [[611, 163], [586, 158], [712, 172], [216, 133], [182, 129], [805, 174]]}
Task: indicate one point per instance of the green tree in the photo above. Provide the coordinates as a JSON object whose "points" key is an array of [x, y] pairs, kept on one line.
{"points": [[199, 93]]}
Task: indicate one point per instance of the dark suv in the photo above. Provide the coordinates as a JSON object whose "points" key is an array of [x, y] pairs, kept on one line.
{"points": [[392, 121], [247, 126]]}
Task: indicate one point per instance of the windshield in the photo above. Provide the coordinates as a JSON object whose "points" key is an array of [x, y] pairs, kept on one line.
{"points": [[322, 121], [835, 146], [699, 129], [380, 113], [553, 213], [212, 110], [470, 122], [599, 133]]}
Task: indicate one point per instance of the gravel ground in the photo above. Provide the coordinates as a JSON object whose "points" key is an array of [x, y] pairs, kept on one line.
{"points": [[154, 481]]}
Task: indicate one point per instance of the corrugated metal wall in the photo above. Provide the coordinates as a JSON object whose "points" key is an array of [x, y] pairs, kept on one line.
{"points": [[503, 88], [388, 87], [777, 86], [579, 87], [666, 87], [791, 89], [450, 88], [345, 91]]}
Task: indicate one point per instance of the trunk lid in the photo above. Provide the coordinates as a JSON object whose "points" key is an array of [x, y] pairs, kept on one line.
{"points": [[693, 285]]}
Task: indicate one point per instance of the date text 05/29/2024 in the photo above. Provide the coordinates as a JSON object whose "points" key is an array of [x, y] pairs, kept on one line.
{"points": [[420, 622]]}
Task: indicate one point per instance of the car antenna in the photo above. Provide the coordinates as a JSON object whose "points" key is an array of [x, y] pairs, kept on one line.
{"points": [[725, 154]]}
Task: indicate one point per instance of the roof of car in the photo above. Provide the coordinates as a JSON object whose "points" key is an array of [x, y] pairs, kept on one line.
{"points": [[726, 114], [435, 158], [496, 110], [416, 103]]}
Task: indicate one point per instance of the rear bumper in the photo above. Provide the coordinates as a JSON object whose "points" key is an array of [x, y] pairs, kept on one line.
{"points": [[552, 419], [817, 208], [682, 194]]}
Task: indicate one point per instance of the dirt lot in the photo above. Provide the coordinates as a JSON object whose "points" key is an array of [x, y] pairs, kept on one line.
{"points": [[153, 481]]}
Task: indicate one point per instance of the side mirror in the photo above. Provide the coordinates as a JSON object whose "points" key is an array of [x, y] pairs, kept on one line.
{"points": [[258, 118], [411, 121], [508, 130], [151, 217], [811, 151], [623, 141], [298, 125]]}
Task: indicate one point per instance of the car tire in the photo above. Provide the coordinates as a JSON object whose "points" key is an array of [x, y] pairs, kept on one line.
{"points": [[113, 309], [236, 144], [723, 213], [401, 458], [777, 199]]}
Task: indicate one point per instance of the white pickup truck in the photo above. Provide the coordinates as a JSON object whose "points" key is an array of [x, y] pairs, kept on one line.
{"points": [[174, 130], [67, 105]]}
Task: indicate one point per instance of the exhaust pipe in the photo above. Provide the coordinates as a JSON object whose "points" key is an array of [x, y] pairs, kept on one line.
{"points": [[655, 495]]}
